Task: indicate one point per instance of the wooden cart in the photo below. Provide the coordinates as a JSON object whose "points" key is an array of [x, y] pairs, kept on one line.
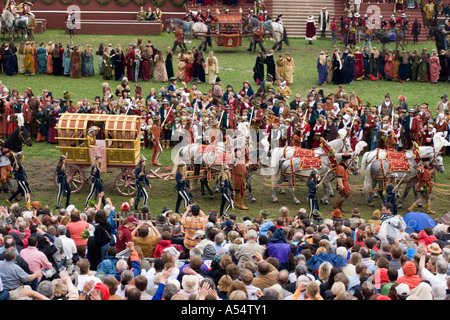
{"points": [[118, 138]]}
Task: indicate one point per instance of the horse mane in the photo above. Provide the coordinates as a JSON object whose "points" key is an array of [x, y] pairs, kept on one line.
{"points": [[176, 20], [20, 119]]}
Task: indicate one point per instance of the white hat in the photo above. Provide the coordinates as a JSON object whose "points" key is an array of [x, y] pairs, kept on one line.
{"points": [[70, 208], [403, 289], [189, 283], [347, 117]]}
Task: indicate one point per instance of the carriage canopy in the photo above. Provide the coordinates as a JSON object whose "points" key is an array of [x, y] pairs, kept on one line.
{"points": [[119, 135]]}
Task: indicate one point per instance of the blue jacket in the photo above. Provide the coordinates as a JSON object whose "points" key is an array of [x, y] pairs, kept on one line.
{"points": [[107, 266]]}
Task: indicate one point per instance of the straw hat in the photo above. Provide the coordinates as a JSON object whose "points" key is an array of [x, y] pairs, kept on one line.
{"points": [[434, 248]]}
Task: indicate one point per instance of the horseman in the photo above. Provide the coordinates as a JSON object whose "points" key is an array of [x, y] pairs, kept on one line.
{"points": [[425, 173]]}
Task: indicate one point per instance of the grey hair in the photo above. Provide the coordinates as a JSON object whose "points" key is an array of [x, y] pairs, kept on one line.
{"points": [[46, 289], [301, 269], [61, 230], [441, 266], [251, 234]]}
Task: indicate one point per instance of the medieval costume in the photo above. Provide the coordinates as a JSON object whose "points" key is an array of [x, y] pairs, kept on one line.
{"points": [[141, 183], [342, 181], [96, 181], [63, 184]]}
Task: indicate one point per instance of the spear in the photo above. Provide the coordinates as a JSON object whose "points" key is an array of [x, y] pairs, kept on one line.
{"points": [[162, 124]]}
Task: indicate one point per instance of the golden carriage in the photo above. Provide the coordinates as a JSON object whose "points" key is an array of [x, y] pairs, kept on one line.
{"points": [[118, 142]]}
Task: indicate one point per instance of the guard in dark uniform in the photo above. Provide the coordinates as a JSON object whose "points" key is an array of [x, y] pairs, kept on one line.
{"points": [[96, 181], [21, 177], [313, 181], [181, 186], [141, 183], [226, 189], [63, 184]]}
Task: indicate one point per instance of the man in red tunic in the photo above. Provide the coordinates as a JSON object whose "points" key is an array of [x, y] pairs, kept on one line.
{"points": [[342, 181], [238, 180], [424, 173], [156, 132]]}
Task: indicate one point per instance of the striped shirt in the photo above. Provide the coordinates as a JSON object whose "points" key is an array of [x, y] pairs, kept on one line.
{"points": [[191, 225]]}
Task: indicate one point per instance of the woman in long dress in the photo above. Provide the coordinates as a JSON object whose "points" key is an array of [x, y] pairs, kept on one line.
{"points": [[338, 67], [389, 66], [107, 66], [422, 71], [160, 68], [181, 66], [10, 61], [289, 69], [322, 68], [28, 62], [374, 63], [118, 63], [349, 67], [57, 60], [359, 64], [212, 67], [75, 65], [88, 61], [200, 68], [279, 69], [189, 69], [21, 58], [146, 57], [66, 60], [258, 69], [435, 67], [99, 54], [42, 58], [49, 48], [169, 65]]}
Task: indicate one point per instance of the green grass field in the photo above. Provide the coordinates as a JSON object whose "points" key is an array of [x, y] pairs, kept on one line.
{"points": [[235, 67]]}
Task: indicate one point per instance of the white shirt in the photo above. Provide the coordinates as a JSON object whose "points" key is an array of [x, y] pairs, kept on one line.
{"points": [[82, 278], [69, 246], [435, 279]]}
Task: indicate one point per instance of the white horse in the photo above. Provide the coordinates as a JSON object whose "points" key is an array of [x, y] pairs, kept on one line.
{"points": [[8, 21], [339, 145], [290, 169], [376, 168]]}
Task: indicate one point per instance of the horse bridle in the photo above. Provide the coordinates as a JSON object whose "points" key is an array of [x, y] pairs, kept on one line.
{"points": [[22, 138]]}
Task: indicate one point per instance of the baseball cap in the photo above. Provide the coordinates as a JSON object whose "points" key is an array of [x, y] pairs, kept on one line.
{"points": [[132, 219], [403, 290]]}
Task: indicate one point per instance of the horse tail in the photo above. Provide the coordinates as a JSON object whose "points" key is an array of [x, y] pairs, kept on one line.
{"points": [[285, 36]]}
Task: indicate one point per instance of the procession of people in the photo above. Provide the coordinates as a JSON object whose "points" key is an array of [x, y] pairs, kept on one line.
{"points": [[100, 250]]}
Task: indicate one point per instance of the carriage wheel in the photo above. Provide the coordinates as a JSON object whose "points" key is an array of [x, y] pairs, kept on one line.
{"points": [[75, 177], [125, 183]]}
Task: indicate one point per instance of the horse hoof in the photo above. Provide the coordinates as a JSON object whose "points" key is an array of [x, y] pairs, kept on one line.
{"points": [[371, 204], [253, 199], [399, 206], [275, 200], [375, 196], [297, 202], [282, 192]]}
